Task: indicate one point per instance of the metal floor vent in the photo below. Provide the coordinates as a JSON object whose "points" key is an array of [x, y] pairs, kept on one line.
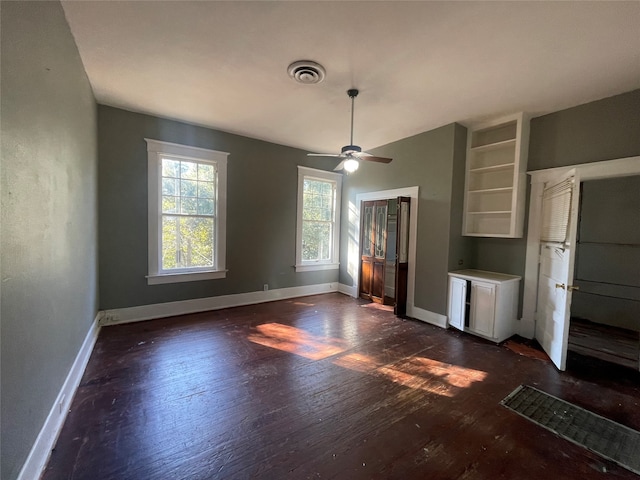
{"points": [[609, 439]]}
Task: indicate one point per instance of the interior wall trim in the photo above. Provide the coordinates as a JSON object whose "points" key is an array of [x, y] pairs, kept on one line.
{"points": [[170, 309], [427, 316], [41, 450], [350, 290]]}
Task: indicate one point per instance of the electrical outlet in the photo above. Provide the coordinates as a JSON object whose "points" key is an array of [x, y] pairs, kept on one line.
{"points": [[266, 287]]}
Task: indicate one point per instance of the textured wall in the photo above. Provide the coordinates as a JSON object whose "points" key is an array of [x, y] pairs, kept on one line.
{"points": [[261, 211], [427, 160], [49, 206]]}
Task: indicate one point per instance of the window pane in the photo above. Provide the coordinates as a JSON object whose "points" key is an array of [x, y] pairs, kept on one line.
{"points": [[187, 242], [196, 242], [367, 226], [169, 204], [170, 168], [169, 242], [317, 200], [205, 206], [189, 170], [205, 189], [189, 206], [169, 186], [205, 172], [316, 241], [188, 188], [381, 231]]}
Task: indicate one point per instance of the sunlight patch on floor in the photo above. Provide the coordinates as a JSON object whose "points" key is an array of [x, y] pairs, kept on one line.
{"points": [[378, 306], [416, 372], [304, 304], [297, 341]]}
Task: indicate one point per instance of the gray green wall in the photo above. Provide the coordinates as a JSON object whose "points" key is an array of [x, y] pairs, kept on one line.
{"points": [[49, 205], [434, 161], [261, 211], [602, 130], [607, 266]]}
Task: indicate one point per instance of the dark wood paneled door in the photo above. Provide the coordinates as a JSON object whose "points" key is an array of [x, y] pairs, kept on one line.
{"points": [[373, 241], [402, 255]]}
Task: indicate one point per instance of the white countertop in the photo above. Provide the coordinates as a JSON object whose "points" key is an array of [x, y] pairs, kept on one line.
{"points": [[496, 277]]}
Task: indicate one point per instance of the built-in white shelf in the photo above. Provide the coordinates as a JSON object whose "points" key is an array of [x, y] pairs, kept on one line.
{"points": [[490, 212], [494, 146], [504, 166], [485, 190], [495, 178]]}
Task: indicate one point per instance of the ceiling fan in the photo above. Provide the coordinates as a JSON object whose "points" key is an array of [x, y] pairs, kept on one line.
{"points": [[351, 154]]}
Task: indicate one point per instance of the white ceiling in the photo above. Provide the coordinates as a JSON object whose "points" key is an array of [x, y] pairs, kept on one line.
{"points": [[418, 65]]}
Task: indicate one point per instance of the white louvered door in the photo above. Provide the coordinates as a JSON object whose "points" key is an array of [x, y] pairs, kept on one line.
{"points": [[557, 253]]}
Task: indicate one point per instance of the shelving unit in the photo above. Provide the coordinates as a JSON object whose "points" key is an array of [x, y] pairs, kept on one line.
{"points": [[495, 178]]}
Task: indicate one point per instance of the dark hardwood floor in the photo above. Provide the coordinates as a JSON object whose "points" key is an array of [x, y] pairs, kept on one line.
{"points": [[612, 344], [323, 387]]}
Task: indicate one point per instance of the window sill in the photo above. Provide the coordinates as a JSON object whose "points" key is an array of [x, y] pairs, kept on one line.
{"points": [[311, 267], [158, 279]]}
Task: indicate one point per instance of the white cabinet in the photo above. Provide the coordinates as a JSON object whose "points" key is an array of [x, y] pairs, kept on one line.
{"points": [[457, 302], [483, 303], [495, 178]]}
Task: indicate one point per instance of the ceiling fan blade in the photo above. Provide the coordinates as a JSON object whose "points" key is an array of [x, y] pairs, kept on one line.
{"points": [[324, 155], [340, 166], [372, 158]]}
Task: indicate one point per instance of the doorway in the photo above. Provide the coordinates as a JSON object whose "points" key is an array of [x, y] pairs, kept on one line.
{"points": [[384, 242], [605, 310], [534, 322], [354, 257]]}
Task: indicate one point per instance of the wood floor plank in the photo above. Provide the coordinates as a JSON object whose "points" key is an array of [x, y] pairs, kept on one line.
{"points": [[322, 387]]}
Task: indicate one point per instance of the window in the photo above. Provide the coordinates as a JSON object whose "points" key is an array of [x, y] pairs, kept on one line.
{"points": [[187, 213], [318, 226]]}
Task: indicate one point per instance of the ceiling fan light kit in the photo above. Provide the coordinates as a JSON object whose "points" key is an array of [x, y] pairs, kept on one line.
{"points": [[351, 154], [350, 165]]}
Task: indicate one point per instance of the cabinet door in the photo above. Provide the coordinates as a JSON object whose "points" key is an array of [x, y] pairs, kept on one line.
{"points": [[457, 297], [483, 308]]}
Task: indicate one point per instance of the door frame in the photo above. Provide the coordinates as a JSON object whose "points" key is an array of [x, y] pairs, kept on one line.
{"points": [[411, 192], [621, 167]]}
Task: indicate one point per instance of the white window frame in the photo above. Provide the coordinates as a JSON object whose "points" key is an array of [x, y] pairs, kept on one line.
{"points": [[156, 150], [336, 179]]}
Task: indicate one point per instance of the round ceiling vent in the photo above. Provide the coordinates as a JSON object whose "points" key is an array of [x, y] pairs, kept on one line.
{"points": [[306, 71]]}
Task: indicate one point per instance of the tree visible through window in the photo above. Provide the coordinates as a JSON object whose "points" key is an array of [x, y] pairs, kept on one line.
{"points": [[317, 219], [188, 214]]}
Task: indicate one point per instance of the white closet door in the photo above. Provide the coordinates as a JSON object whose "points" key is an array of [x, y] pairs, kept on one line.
{"points": [[557, 256]]}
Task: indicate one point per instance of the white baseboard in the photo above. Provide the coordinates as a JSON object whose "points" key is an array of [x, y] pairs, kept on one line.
{"points": [[170, 309], [39, 454], [348, 289], [427, 316]]}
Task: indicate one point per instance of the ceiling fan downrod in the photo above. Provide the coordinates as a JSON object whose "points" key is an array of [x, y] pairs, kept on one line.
{"points": [[353, 93]]}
